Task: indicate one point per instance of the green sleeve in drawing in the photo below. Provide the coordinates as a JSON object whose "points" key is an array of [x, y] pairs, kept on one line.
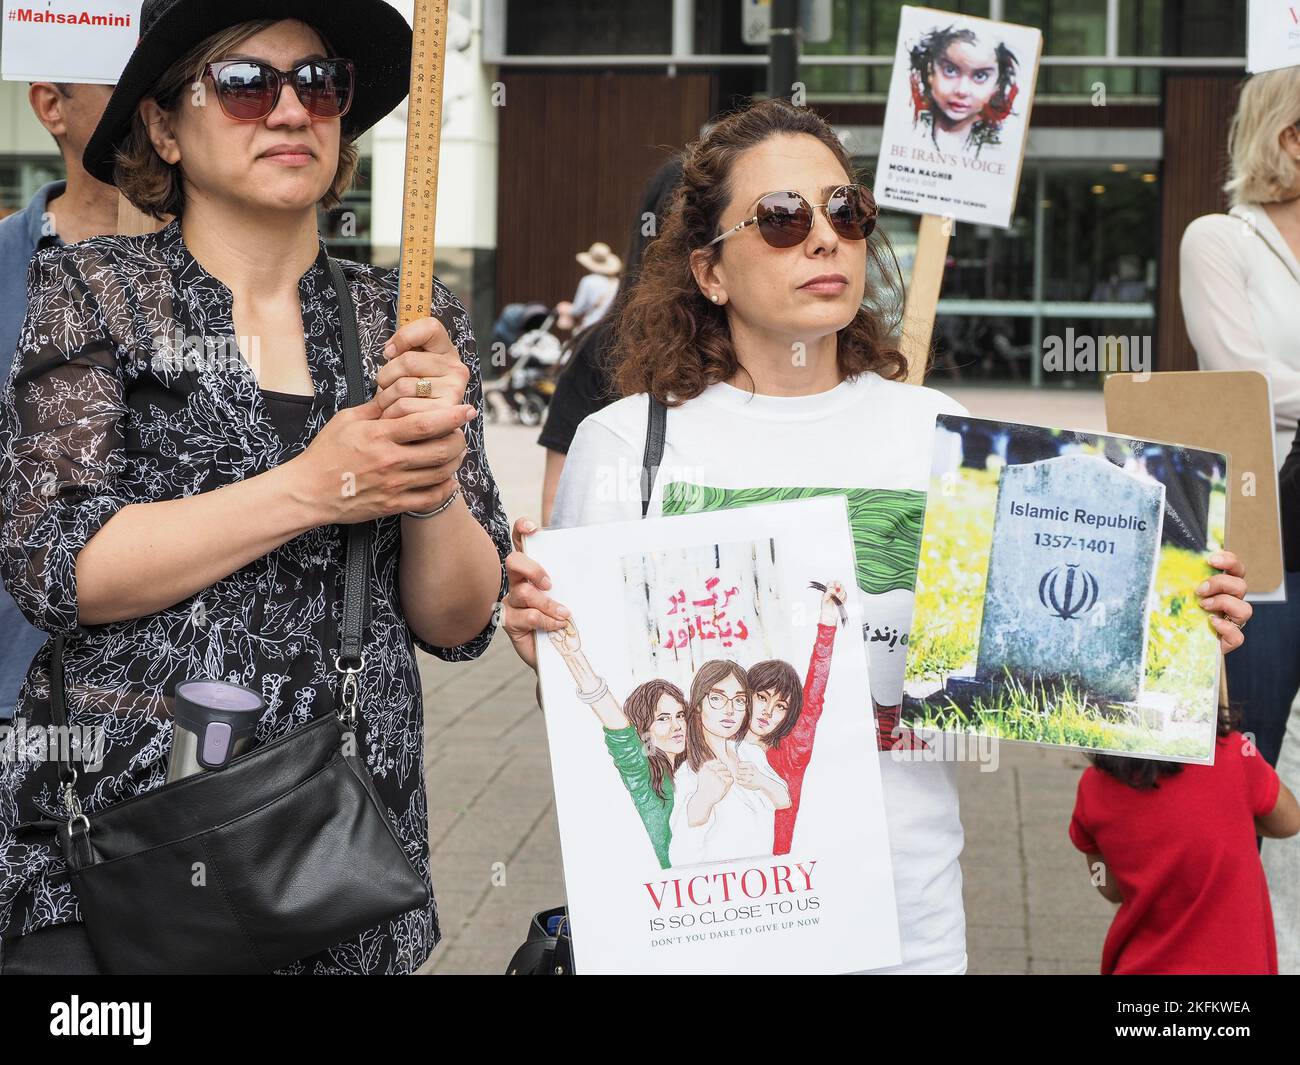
{"points": [[625, 748]]}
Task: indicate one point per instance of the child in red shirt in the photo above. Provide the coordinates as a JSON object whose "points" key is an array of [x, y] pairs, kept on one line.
{"points": [[1174, 845]]}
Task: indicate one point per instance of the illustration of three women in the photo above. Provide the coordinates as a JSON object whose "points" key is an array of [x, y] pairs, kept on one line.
{"points": [[716, 774]]}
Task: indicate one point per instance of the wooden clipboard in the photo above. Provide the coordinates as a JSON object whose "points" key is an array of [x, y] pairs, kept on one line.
{"points": [[1230, 411]]}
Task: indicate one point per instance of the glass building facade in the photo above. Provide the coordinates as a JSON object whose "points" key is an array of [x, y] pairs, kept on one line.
{"points": [[1089, 246], [1084, 248]]}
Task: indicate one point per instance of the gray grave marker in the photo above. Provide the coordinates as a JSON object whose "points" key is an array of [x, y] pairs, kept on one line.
{"points": [[1075, 545]]}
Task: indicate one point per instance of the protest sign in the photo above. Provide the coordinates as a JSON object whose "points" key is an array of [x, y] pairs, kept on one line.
{"points": [[953, 141], [716, 777], [1055, 591], [68, 40], [1272, 35]]}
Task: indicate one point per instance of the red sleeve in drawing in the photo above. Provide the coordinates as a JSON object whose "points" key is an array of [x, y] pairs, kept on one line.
{"points": [[791, 758]]}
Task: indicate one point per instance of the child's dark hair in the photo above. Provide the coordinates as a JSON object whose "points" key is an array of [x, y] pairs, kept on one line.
{"points": [[1145, 773]]}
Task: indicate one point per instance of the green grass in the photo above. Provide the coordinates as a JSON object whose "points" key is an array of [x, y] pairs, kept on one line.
{"points": [[955, 546], [1063, 716], [1182, 646]]}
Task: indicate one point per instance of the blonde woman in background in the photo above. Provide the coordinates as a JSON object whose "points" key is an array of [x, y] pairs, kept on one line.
{"points": [[1240, 290]]}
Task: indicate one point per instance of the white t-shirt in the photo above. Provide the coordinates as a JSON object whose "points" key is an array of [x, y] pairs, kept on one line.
{"points": [[869, 439], [741, 823]]}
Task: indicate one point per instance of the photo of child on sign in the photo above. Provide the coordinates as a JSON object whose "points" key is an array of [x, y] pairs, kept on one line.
{"points": [[963, 89], [957, 116]]}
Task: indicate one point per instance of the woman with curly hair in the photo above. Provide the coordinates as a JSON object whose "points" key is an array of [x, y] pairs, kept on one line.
{"points": [[763, 324]]}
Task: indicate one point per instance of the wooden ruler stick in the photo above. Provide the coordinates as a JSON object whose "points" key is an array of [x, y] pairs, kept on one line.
{"points": [[923, 293], [423, 138], [132, 222]]}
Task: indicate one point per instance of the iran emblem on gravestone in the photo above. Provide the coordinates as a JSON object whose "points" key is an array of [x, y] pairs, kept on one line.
{"points": [[1071, 572]]}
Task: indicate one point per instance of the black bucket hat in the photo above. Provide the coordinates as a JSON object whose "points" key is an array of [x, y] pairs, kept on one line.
{"points": [[371, 33]]}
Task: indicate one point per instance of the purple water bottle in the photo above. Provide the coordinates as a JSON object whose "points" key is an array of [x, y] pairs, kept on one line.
{"points": [[214, 722]]}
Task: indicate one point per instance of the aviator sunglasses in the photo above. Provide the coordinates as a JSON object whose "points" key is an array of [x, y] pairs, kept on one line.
{"points": [[785, 219], [249, 90]]}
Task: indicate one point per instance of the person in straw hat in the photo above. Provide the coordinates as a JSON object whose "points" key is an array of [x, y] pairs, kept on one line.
{"points": [[177, 464], [597, 289]]}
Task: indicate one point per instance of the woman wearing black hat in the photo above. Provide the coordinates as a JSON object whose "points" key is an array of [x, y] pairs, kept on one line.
{"points": [[177, 464]]}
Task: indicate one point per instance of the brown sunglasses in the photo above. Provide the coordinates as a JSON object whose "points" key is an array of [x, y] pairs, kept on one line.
{"points": [[248, 90], [785, 219]]}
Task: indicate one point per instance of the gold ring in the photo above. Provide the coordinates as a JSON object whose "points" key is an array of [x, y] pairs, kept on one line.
{"points": [[424, 388]]}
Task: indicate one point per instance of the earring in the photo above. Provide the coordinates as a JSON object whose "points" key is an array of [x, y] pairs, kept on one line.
{"points": [[714, 297]]}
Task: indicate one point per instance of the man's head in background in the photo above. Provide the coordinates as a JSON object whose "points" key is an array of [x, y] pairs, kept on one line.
{"points": [[70, 112]]}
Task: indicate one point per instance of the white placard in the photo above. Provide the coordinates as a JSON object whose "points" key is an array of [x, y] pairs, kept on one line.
{"points": [[815, 21], [958, 111], [721, 888], [68, 40], [1272, 35]]}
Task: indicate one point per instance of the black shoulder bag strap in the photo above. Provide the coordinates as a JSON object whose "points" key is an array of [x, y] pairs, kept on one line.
{"points": [[655, 432], [356, 576], [356, 598], [59, 712]]}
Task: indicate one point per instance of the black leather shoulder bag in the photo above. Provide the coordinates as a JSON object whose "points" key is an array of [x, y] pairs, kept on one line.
{"points": [[283, 853], [548, 950]]}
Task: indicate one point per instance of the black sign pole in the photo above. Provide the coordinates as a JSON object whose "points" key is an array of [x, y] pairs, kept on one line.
{"points": [[783, 49]]}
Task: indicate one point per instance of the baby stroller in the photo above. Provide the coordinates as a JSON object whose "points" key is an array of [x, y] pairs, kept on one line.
{"points": [[532, 352]]}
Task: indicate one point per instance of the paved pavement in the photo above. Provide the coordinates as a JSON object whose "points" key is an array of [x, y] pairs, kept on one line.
{"points": [[492, 831]]}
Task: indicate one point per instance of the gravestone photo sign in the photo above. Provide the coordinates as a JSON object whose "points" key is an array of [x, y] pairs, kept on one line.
{"points": [[1069, 583], [1055, 595]]}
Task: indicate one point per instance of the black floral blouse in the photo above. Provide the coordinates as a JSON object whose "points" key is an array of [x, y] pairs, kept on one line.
{"points": [[108, 404]]}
